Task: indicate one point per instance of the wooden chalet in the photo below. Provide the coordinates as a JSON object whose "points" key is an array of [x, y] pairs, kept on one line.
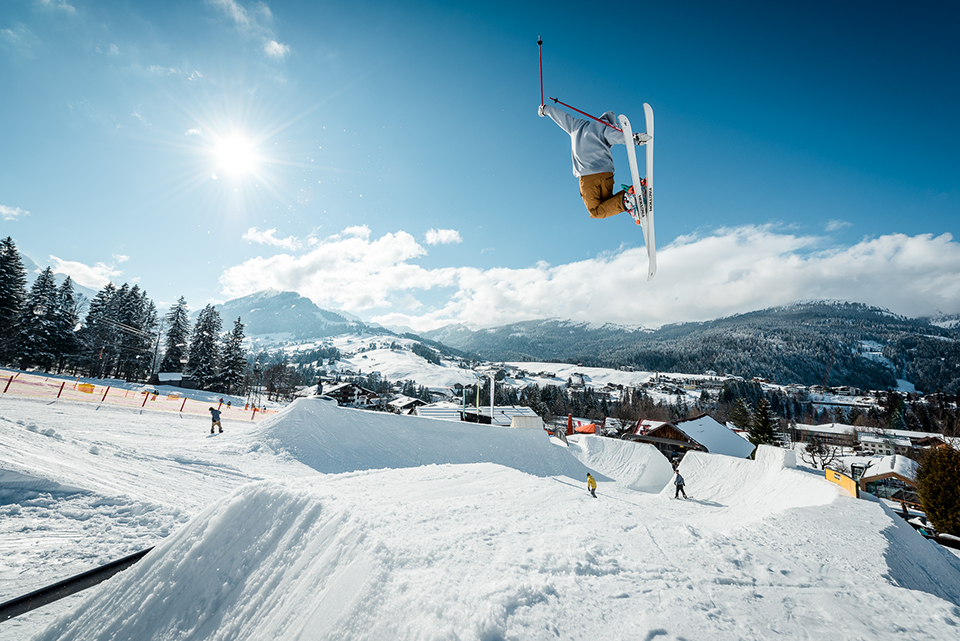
{"points": [[352, 395], [701, 433]]}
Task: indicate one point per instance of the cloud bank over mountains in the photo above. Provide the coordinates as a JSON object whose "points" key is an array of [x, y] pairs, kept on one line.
{"points": [[700, 277]]}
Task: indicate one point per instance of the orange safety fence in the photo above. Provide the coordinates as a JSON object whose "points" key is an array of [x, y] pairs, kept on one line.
{"points": [[32, 385]]}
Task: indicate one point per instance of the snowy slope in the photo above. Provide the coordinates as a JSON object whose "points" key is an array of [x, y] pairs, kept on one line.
{"points": [[332, 440], [256, 543]]}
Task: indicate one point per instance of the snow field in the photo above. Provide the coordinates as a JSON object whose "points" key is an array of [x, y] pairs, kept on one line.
{"points": [[327, 523]]}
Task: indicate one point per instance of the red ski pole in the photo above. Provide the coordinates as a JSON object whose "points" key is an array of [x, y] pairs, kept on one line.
{"points": [[540, 49], [586, 114]]}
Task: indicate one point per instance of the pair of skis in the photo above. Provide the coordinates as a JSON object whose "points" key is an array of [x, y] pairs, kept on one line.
{"points": [[643, 189]]}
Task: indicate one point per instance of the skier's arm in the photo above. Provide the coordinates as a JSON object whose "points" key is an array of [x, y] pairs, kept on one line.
{"points": [[567, 122], [613, 136]]}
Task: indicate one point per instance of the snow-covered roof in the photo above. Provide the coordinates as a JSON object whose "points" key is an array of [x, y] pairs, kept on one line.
{"points": [[886, 466], [716, 437], [828, 428], [444, 411], [503, 414], [864, 437]]}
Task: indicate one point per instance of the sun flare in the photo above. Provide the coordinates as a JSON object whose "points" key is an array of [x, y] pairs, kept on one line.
{"points": [[235, 155]]}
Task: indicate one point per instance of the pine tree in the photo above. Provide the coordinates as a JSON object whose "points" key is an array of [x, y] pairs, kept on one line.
{"points": [[740, 415], [763, 428], [13, 293], [234, 360], [36, 326], [67, 318], [204, 362], [98, 335], [178, 332], [938, 488]]}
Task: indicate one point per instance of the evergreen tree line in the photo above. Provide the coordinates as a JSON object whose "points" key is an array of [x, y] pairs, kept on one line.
{"points": [[117, 334]]}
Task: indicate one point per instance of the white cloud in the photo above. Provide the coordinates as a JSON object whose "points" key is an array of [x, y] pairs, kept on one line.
{"points": [[255, 23], [21, 40], [95, 277], [701, 277], [140, 118], [835, 225], [120, 258], [57, 5], [193, 132], [232, 10], [12, 213], [268, 237], [276, 50], [442, 237]]}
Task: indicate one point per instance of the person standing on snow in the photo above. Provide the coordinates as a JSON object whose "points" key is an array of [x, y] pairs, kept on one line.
{"points": [[678, 481], [591, 144], [215, 415], [591, 485]]}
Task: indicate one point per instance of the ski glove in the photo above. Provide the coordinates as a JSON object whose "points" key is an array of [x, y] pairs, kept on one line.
{"points": [[540, 111], [641, 138]]}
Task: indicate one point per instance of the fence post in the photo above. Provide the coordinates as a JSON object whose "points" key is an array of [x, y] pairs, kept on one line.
{"points": [[182, 405], [8, 385], [105, 394], [61, 389], [146, 395], [254, 416]]}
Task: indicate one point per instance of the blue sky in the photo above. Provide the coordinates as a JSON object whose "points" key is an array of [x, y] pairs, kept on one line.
{"points": [[387, 159]]}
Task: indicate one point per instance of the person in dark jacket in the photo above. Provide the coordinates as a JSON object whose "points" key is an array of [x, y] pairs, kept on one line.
{"points": [[215, 415], [678, 481]]}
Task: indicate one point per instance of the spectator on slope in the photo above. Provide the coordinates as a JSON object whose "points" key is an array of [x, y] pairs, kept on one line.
{"points": [[215, 415], [591, 485], [678, 481], [319, 387]]}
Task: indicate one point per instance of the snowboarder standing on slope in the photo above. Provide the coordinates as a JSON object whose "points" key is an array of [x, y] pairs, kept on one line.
{"points": [[591, 143], [215, 415], [678, 481], [591, 485]]}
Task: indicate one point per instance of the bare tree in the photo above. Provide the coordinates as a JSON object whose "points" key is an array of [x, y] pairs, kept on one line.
{"points": [[818, 453]]}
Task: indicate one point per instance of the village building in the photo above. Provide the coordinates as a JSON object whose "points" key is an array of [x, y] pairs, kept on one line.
{"points": [[836, 434], [884, 444], [503, 415], [891, 477], [702, 433], [405, 404], [352, 395]]}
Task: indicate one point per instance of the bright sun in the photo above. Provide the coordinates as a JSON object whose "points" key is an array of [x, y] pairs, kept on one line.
{"points": [[235, 155]]}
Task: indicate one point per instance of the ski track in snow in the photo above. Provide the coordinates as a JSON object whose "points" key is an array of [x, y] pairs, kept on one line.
{"points": [[326, 523]]}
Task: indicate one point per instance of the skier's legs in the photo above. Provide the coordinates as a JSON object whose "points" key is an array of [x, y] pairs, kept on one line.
{"points": [[597, 193]]}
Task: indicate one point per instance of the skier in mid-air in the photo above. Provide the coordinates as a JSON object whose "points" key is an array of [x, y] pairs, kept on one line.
{"points": [[591, 144]]}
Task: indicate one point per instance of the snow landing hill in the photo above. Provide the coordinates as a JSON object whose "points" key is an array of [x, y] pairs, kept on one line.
{"points": [[331, 523]]}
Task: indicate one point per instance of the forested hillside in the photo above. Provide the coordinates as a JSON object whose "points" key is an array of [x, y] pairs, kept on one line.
{"points": [[831, 343]]}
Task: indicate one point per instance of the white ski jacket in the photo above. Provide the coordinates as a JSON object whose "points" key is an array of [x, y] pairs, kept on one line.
{"points": [[590, 141]]}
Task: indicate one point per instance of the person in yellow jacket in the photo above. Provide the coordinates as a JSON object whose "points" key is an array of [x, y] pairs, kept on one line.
{"points": [[592, 485]]}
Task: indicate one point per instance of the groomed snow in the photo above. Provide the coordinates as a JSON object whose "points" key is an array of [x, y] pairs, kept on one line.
{"points": [[421, 530]]}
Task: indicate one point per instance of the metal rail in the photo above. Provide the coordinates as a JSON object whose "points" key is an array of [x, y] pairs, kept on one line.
{"points": [[65, 588]]}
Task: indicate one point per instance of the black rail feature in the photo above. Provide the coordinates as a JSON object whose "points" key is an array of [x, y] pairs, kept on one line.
{"points": [[65, 588]]}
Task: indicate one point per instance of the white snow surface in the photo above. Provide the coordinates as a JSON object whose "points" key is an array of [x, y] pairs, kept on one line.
{"points": [[327, 523]]}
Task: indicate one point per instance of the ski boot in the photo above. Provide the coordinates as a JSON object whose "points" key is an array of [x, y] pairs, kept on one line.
{"points": [[630, 202]]}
